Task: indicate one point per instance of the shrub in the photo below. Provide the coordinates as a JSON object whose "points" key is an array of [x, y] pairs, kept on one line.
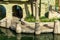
{"points": [[30, 18], [42, 19], [49, 20]]}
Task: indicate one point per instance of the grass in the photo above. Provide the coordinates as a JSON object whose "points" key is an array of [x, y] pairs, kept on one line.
{"points": [[42, 19], [30, 19]]}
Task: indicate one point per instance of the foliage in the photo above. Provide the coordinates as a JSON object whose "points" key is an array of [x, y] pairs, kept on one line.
{"points": [[30, 18], [42, 19], [57, 3]]}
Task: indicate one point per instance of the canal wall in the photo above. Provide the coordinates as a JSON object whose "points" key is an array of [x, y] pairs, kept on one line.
{"points": [[29, 27]]}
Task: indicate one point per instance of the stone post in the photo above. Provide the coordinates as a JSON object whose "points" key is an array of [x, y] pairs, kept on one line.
{"points": [[57, 27], [18, 27], [34, 9], [37, 28]]}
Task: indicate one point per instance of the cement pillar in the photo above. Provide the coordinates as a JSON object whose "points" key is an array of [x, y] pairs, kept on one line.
{"points": [[57, 27], [18, 28], [34, 10], [37, 28]]}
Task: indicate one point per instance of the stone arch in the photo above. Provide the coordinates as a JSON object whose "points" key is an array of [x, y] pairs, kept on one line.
{"points": [[17, 11], [2, 12]]}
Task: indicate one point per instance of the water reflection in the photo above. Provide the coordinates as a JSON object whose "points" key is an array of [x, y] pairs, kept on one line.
{"points": [[18, 36], [10, 35], [37, 37], [56, 37], [44, 36], [6, 34]]}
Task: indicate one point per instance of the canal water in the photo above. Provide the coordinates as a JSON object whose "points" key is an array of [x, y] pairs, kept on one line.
{"points": [[6, 34]]}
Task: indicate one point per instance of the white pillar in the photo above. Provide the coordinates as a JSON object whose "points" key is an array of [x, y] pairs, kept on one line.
{"points": [[34, 10], [37, 28], [57, 27], [18, 27]]}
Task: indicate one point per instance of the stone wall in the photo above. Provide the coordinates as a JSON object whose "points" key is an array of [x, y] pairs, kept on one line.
{"points": [[45, 6], [53, 14], [8, 6]]}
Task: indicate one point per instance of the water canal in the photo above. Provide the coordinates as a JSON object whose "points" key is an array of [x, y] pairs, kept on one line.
{"points": [[6, 34]]}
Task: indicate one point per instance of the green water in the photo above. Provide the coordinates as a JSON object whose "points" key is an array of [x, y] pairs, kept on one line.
{"points": [[6, 34]]}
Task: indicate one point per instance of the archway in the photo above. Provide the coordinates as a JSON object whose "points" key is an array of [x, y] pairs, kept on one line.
{"points": [[17, 11], [2, 12]]}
